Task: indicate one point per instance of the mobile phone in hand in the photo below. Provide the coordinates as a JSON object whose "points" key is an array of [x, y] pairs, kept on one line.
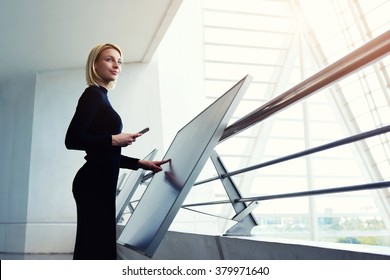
{"points": [[144, 130]]}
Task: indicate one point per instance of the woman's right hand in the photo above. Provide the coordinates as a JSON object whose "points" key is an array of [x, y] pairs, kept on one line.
{"points": [[124, 139]]}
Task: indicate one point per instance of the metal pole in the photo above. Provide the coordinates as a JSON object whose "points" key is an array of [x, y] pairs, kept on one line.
{"points": [[367, 54], [370, 186], [334, 144]]}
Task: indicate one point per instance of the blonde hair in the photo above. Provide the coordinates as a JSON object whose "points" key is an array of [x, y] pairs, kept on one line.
{"points": [[92, 77]]}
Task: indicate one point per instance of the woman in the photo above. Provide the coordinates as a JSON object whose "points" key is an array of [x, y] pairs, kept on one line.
{"points": [[96, 129]]}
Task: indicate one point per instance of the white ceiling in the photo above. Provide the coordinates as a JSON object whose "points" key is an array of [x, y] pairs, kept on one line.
{"points": [[43, 35]]}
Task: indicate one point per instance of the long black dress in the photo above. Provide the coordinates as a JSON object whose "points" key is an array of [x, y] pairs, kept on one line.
{"points": [[94, 186]]}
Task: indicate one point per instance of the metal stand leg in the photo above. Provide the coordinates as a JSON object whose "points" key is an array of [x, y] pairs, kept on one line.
{"points": [[245, 220]]}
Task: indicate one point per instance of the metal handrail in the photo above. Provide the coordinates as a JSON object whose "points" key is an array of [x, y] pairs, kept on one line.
{"points": [[368, 186], [337, 143], [363, 56], [366, 54]]}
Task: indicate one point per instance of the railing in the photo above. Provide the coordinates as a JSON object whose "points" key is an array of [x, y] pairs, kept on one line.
{"points": [[362, 57]]}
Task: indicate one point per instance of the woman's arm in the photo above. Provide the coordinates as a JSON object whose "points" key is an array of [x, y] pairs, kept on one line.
{"points": [[77, 136]]}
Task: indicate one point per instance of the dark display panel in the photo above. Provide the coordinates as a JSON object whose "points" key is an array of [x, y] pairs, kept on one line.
{"points": [[168, 189]]}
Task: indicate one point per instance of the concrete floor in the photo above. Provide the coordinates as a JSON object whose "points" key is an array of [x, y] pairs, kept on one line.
{"points": [[9, 256]]}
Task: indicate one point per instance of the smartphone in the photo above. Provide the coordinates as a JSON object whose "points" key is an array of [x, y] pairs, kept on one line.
{"points": [[144, 130]]}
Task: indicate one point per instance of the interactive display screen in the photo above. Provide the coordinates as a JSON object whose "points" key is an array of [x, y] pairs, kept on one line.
{"points": [[168, 189]]}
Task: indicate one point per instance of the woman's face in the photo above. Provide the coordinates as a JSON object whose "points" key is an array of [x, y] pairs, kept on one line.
{"points": [[108, 65]]}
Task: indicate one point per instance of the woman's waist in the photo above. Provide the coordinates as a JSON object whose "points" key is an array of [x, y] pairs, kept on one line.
{"points": [[107, 157]]}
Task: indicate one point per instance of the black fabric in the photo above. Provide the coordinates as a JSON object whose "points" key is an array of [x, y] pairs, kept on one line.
{"points": [[94, 186]]}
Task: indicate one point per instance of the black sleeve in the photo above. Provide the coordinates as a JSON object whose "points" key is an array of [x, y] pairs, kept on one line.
{"points": [[77, 136], [129, 162]]}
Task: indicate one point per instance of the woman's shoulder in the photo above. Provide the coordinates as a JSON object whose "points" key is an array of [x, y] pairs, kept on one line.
{"points": [[95, 89], [93, 93]]}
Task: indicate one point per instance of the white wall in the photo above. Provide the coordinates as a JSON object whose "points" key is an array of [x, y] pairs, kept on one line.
{"points": [[50, 221], [16, 111], [180, 57], [37, 208], [181, 64]]}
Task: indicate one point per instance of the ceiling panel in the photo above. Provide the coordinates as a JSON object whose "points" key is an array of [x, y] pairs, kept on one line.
{"points": [[44, 35]]}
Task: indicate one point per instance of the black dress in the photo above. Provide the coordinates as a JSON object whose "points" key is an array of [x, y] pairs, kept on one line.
{"points": [[94, 186]]}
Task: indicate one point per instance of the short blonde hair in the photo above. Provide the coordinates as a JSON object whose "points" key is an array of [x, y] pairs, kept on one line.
{"points": [[92, 77]]}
